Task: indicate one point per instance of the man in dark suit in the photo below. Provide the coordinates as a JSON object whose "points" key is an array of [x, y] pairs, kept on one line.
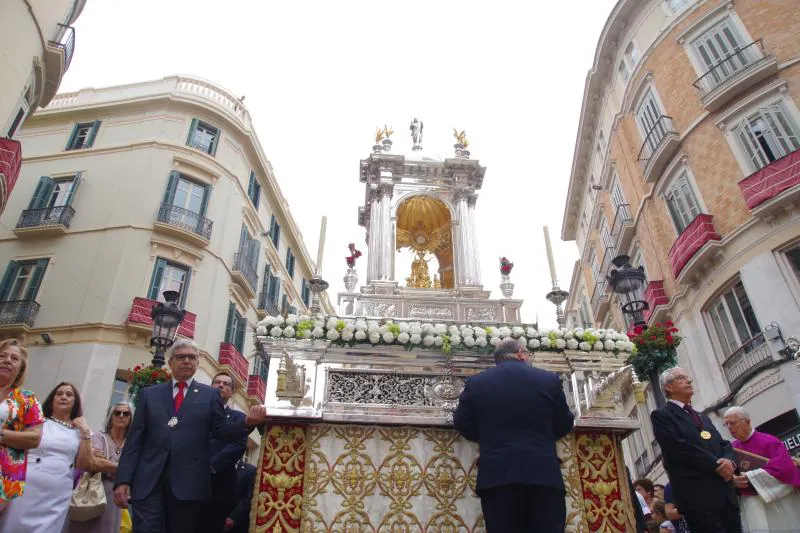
{"points": [[516, 413], [164, 467], [238, 520], [224, 457], [699, 462]]}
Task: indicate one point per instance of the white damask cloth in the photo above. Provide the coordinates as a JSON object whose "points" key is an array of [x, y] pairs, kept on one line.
{"points": [[776, 508]]}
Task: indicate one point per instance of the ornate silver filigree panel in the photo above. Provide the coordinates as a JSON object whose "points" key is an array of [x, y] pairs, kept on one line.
{"points": [[382, 309], [431, 312], [415, 390], [480, 314]]}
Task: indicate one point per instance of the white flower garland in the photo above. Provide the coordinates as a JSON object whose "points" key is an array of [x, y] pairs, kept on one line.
{"points": [[348, 331]]}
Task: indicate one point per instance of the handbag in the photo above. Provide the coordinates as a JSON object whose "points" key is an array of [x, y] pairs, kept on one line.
{"points": [[89, 497]]}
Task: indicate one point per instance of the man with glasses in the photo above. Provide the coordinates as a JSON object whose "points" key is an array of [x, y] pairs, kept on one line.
{"points": [[164, 469], [224, 456], [699, 462], [517, 413]]}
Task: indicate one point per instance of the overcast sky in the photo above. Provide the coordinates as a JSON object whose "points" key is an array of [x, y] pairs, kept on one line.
{"points": [[319, 76]]}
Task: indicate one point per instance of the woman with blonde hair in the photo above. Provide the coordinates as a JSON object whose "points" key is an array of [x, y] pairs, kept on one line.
{"points": [[107, 447], [21, 421]]}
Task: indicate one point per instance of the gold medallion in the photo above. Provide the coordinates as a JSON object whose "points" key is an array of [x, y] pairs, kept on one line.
{"points": [[173, 422], [705, 435]]}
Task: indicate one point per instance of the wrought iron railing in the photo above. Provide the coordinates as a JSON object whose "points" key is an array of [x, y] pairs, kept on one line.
{"points": [[50, 216], [267, 304], [622, 218], [260, 368], [66, 41], [241, 264], [742, 364], [18, 312], [729, 66], [185, 219], [598, 293], [642, 465], [658, 132]]}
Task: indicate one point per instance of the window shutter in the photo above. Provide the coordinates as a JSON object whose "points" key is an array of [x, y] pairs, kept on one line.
{"points": [[272, 223], [241, 329], [229, 326], [185, 291], [36, 279], [289, 260], [215, 142], [244, 239], [691, 202], [72, 136], [155, 282], [204, 203], [257, 195], [262, 298], [780, 129], [277, 235], [284, 303], [92, 134], [44, 189], [75, 184], [251, 187], [172, 184], [750, 145], [191, 132], [8, 280]]}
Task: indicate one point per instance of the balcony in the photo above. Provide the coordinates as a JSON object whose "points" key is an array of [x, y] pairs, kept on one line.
{"points": [[622, 229], [18, 313], [694, 247], [266, 306], [774, 186], [656, 297], [734, 74], [659, 145], [140, 317], [642, 465], [230, 355], [184, 224], [48, 222], [244, 273], [600, 299], [257, 381], [747, 361], [57, 58], [10, 161], [656, 450]]}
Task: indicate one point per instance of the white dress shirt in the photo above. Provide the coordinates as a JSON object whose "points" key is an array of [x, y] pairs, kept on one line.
{"points": [[175, 388]]}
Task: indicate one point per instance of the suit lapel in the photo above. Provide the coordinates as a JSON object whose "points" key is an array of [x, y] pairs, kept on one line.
{"points": [[166, 398], [190, 395]]}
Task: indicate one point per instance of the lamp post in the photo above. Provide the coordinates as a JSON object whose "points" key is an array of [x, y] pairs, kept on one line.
{"points": [[628, 283], [166, 319]]}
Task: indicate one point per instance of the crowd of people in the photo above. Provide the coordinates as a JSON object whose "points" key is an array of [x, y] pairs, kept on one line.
{"points": [[174, 464]]}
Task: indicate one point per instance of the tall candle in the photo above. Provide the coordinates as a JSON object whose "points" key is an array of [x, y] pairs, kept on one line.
{"points": [[550, 256], [321, 244]]}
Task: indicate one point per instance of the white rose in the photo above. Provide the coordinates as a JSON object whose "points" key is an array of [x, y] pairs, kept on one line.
{"points": [[291, 320], [532, 332], [559, 333], [318, 333], [467, 332], [615, 337], [546, 342], [388, 337], [332, 334], [494, 341], [572, 344], [375, 338], [319, 324], [452, 330], [275, 332], [261, 330], [517, 332], [403, 337], [584, 346], [534, 343], [428, 340], [609, 345], [601, 333], [469, 342], [383, 329], [438, 341], [625, 338], [440, 329], [361, 325], [629, 348], [361, 335], [404, 327], [523, 341], [561, 344], [306, 333], [455, 339], [569, 335], [427, 329], [544, 332], [288, 332], [373, 327], [416, 338], [479, 332], [598, 346], [481, 341], [579, 332], [504, 332], [347, 335], [620, 345], [415, 330], [331, 323]]}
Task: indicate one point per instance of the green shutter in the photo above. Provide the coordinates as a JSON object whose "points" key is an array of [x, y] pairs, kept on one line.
{"points": [[92, 134], [229, 326], [204, 204], [277, 235], [257, 195], [284, 303], [191, 132], [75, 184], [240, 332], [8, 279], [72, 136], [36, 279], [155, 282], [42, 194], [215, 142], [288, 259], [251, 184], [172, 185], [185, 291]]}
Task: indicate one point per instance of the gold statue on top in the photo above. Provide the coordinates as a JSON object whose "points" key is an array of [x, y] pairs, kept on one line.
{"points": [[461, 137], [378, 135], [419, 278], [387, 131], [384, 133]]}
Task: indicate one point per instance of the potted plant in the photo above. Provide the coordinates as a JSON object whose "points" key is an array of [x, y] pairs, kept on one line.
{"points": [[654, 352], [506, 287], [144, 376], [351, 277]]}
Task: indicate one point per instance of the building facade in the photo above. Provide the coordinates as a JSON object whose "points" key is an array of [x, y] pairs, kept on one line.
{"points": [[687, 160], [37, 42], [126, 192]]}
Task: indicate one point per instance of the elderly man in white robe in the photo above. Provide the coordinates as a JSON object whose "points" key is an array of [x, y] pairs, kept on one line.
{"points": [[769, 482]]}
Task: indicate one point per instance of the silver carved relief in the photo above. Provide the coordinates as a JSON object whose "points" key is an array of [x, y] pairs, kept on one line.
{"points": [[382, 309], [480, 314], [412, 390], [429, 312]]}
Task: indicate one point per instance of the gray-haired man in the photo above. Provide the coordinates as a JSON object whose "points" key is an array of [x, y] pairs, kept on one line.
{"points": [[517, 413]]}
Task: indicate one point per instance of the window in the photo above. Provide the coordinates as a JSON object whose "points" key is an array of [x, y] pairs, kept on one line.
{"points": [[632, 54], [618, 200], [768, 135], [83, 135], [274, 288], [601, 147], [23, 109], [185, 203], [722, 52], [290, 262], [52, 193], [733, 319], [22, 280], [254, 189], [203, 136], [585, 314], [284, 304], [249, 247], [681, 202], [594, 265], [648, 116], [623, 71], [793, 256], [169, 276], [637, 260], [275, 232], [305, 293], [264, 294], [605, 235], [120, 391], [236, 328]]}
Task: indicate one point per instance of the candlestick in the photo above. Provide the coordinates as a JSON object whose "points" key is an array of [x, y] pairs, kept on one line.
{"points": [[550, 257], [321, 244]]}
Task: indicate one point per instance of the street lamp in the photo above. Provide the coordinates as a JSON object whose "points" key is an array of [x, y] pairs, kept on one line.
{"points": [[628, 283], [166, 319]]}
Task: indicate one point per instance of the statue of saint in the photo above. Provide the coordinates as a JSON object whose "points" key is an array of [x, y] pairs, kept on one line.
{"points": [[419, 278], [416, 134]]}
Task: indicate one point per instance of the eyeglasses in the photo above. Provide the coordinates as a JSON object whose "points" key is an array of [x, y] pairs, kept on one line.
{"points": [[123, 414], [185, 357], [226, 383]]}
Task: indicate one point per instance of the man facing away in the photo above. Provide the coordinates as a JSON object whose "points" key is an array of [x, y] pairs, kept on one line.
{"points": [[516, 413], [770, 500], [164, 467], [699, 462], [224, 456]]}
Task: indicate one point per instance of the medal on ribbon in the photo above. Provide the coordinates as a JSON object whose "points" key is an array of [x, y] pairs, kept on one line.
{"points": [[174, 422], [705, 435]]}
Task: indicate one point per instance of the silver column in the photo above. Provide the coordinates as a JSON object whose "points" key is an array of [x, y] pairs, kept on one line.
{"points": [[373, 241], [473, 254], [386, 244], [461, 234]]}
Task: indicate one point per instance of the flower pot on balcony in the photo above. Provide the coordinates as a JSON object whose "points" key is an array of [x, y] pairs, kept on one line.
{"points": [[506, 287], [350, 279]]}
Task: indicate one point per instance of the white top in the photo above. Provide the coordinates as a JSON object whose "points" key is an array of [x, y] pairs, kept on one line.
{"points": [[643, 504], [676, 402], [4, 411]]}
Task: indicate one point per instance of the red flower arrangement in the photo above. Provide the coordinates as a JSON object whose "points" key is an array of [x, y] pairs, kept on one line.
{"points": [[144, 376], [354, 254], [505, 266], [655, 349]]}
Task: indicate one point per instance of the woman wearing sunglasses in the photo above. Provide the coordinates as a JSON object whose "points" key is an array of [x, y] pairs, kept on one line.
{"points": [[107, 447]]}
